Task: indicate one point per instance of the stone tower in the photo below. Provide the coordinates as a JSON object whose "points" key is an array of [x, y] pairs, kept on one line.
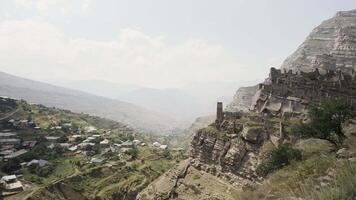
{"points": [[219, 112]]}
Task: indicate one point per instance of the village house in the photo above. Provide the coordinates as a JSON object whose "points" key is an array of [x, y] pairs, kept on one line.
{"points": [[136, 142], [11, 184], [65, 145], [96, 160], [127, 144], [156, 144], [105, 142], [7, 135], [7, 152], [73, 148], [13, 141], [35, 162], [28, 144], [16, 154], [7, 146], [90, 129], [85, 144], [52, 138], [96, 136]]}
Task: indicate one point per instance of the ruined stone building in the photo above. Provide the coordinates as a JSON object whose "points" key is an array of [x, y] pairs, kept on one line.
{"points": [[285, 92]]}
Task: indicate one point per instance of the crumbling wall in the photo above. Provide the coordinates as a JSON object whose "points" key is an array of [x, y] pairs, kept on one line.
{"points": [[289, 93]]}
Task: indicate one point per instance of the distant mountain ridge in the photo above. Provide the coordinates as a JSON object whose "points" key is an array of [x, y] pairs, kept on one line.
{"points": [[50, 95], [182, 103]]}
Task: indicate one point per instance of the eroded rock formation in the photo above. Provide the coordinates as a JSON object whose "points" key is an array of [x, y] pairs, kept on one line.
{"points": [[330, 46], [242, 99]]}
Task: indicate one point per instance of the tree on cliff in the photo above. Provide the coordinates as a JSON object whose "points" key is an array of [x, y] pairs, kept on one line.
{"points": [[326, 120]]}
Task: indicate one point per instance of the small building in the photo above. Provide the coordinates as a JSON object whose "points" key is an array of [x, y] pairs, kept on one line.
{"points": [[65, 145], [10, 141], [52, 138], [163, 146], [90, 129], [96, 160], [7, 134], [16, 154], [96, 136], [73, 148], [136, 142], [77, 136], [40, 162], [105, 142], [85, 144], [9, 178], [127, 144], [143, 144], [156, 144], [7, 152], [67, 124], [7, 146], [11, 184], [29, 144]]}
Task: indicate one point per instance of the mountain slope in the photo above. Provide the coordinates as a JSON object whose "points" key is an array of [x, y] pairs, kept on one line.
{"points": [[235, 150], [331, 45], [49, 95], [173, 102]]}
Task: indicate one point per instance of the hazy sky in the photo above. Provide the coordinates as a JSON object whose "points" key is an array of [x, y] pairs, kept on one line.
{"points": [[156, 43]]}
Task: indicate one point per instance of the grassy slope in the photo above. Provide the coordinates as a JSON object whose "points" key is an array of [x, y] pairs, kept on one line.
{"points": [[320, 175]]}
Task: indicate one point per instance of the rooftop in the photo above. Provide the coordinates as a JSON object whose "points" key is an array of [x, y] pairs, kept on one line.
{"points": [[16, 154], [7, 134], [8, 178]]}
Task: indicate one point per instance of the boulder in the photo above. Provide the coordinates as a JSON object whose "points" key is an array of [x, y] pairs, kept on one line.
{"points": [[342, 153], [252, 134]]}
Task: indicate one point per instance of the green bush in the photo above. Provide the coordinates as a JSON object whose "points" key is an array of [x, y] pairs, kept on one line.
{"points": [[280, 157]]}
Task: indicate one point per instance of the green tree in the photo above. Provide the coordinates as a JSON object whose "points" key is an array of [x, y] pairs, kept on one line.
{"points": [[326, 119]]}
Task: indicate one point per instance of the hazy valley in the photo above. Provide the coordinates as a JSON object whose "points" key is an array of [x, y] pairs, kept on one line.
{"points": [[144, 118]]}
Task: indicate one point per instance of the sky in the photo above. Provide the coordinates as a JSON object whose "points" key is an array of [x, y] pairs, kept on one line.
{"points": [[155, 43]]}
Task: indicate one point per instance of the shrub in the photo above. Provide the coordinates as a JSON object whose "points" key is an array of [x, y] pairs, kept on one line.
{"points": [[280, 157]]}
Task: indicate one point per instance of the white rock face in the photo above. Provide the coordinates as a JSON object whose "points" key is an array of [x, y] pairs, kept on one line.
{"points": [[331, 45], [242, 99]]}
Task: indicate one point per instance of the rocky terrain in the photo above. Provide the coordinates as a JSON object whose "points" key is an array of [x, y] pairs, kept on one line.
{"points": [[242, 99], [225, 155], [331, 45]]}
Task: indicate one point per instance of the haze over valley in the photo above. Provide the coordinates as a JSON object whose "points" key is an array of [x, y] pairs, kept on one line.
{"points": [[177, 100]]}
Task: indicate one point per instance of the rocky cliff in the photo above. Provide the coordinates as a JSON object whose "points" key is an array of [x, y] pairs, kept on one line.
{"points": [[225, 154], [242, 99], [331, 45]]}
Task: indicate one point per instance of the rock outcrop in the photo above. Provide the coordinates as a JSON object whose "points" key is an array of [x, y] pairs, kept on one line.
{"points": [[330, 46], [242, 99]]}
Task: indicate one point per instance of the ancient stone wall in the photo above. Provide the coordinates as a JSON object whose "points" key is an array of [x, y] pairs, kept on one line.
{"points": [[288, 92]]}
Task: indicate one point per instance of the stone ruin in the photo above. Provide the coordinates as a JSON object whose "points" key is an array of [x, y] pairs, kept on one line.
{"points": [[289, 93], [222, 115]]}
